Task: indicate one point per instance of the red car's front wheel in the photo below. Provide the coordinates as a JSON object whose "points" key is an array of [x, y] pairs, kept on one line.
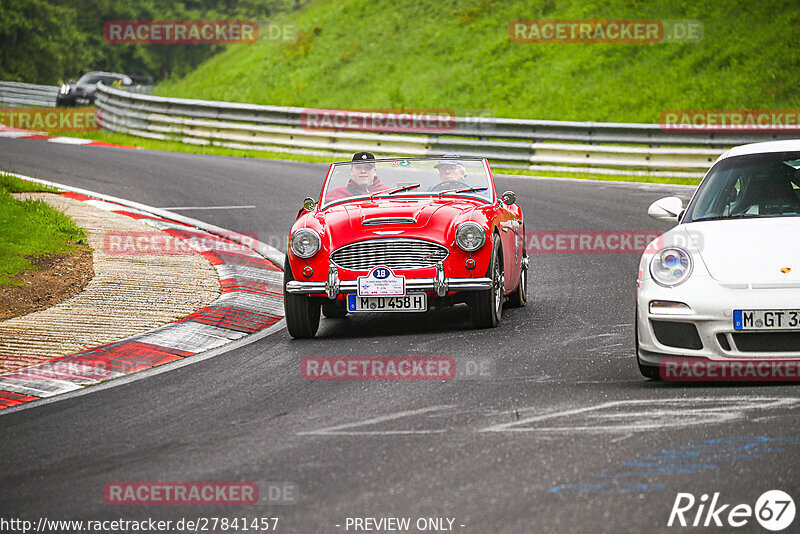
{"points": [[302, 312], [519, 298], [486, 307]]}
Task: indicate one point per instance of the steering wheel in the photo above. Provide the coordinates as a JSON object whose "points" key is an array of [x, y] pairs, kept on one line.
{"points": [[448, 185]]}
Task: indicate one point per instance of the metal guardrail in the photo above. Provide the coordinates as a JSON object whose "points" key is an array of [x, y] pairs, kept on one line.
{"points": [[15, 94], [534, 144]]}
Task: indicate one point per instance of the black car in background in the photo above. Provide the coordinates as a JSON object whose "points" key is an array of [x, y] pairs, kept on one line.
{"points": [[82, 92]]}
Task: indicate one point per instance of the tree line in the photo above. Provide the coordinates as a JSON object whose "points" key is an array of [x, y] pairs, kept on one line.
{"points": [[52, 41]]}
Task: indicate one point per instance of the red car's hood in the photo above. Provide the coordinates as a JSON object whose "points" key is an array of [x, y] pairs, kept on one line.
{"points": [[428, 217]]}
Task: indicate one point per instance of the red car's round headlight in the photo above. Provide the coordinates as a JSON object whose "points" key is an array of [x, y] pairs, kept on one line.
{"points": [[470, 236], [305, 243]]}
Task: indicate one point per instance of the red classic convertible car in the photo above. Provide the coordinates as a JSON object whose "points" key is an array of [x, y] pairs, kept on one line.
{"points": [[405, 235]]}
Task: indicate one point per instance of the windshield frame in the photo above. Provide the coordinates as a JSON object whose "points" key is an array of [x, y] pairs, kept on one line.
{"points": [[413, 193], [101, 77], [722, 166]]}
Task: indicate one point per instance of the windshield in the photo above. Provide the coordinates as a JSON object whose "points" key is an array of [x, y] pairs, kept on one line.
{"points": [[758, 185], [408, 177], [92, 78]]}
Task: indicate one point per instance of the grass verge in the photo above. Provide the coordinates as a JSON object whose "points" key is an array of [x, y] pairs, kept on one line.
{"points": [[646, 178], [30, 229], [459, 55], [177, 146]]}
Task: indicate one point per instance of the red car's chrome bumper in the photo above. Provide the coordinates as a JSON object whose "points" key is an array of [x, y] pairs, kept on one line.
{"points": [[412, 284], [440, 284]]}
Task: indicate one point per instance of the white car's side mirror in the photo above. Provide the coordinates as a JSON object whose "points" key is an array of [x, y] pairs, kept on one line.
{"points": [[666, 209]]}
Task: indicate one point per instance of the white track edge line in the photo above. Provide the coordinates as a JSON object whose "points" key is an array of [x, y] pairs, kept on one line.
{"points": [[152, 371], [268, 251]]}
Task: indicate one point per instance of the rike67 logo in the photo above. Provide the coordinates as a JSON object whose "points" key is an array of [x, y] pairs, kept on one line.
{"points": [[774, 510]]}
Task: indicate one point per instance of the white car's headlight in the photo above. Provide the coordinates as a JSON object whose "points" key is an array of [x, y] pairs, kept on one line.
{"points": [[671, 266], [470, 236], [305, 243]]}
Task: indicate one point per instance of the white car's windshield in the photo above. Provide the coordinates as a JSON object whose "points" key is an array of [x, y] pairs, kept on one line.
{"points": [[758, 185], [408, 177]]}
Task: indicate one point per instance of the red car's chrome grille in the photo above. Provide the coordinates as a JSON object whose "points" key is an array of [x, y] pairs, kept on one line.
{"points": [[393, 253]]}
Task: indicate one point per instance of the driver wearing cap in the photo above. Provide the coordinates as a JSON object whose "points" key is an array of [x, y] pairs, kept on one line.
{"points": [[452, 175], [363, 179]]}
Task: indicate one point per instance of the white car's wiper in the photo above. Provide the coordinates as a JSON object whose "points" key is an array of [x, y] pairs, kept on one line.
{"points": [[721, 217]]}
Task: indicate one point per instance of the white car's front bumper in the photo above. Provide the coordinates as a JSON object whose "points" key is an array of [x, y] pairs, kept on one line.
{"points": [[706, 329]]}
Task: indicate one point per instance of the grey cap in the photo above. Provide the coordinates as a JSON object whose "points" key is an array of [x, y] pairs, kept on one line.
{"points": [[443, 162]]}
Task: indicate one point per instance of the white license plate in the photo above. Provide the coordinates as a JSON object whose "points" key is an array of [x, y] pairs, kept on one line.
{"points": [[413, 302], [766, 319]]}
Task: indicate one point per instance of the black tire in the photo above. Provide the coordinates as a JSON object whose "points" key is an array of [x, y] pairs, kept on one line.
{"points": [[519, 298], [647, 370], [486, 307], [333, 309], [302, 312]]}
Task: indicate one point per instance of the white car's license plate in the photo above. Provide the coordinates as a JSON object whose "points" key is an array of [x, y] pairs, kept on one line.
{"points": [[413, 302], [766, 319]]}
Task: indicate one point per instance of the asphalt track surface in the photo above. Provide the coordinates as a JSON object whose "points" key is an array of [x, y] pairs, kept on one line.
{"points": [[564, 435]]}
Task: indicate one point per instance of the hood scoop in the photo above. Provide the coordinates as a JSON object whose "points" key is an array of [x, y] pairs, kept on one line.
{"points": [[377, 221]]}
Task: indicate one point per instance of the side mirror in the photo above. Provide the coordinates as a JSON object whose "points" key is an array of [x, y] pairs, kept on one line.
{"points": [[509, 197], [666, 209], [309, 204]]}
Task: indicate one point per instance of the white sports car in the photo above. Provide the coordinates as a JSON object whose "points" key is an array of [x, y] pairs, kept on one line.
{"points": [[724, 284]]}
